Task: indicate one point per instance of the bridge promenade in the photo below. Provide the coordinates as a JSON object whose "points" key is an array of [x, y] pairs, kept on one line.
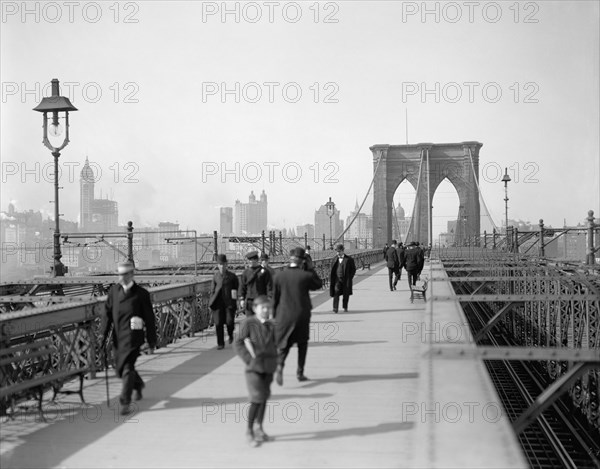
{"points": [[374, 399]]}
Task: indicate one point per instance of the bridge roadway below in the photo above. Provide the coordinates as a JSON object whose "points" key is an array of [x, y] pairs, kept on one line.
{"points": [[374, 399]]}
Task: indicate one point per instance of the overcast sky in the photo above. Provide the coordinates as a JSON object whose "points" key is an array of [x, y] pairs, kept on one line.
{"points": [[148, 78]]}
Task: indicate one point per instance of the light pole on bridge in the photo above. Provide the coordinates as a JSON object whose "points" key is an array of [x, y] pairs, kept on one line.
{"points": [[330, 211], [506, 179], [56, 104]]}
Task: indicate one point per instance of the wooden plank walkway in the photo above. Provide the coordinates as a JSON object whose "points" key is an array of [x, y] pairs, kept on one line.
{"points": [[363, 367]]}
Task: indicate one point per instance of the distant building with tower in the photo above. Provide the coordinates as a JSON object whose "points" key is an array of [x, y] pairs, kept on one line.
{"points": [[251, 218], [361, 229], [95, 215]]}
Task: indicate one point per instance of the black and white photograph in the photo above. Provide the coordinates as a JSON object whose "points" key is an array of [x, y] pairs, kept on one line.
{"points": [[300, 234]]}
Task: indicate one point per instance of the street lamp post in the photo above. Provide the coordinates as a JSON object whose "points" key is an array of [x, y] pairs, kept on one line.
{"points": [[330, 211], [59, 106], [506, 179]]}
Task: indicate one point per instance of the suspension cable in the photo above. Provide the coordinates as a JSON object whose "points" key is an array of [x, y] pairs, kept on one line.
{"points": [[479, 191], [365, 198]]}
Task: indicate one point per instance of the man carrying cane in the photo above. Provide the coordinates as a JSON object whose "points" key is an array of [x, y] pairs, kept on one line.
{"points": [[129, 310]]}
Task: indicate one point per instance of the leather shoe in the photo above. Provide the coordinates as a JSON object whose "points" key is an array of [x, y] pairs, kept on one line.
{"points": [[125, 409], [251, 439], [231, 339], [345, 310], [220, 347], [301, 377], [260, 435]]}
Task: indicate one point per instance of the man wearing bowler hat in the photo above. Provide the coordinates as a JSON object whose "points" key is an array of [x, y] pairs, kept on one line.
{"points": [[254, 282], [292, 310], [222, 300], [343, 269], [129, 310]]}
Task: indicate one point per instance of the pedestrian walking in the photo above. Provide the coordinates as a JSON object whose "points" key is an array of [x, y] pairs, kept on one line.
{"points": [[393, 265], [256, 345], [413, 263], [292, 310], [222, 301], [128, 310], [254, 281], [308, 263], [264, 262], [343, 270], [402, 258]]}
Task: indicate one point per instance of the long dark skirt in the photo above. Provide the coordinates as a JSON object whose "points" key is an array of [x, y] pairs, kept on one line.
{"points": [[259, 385]]}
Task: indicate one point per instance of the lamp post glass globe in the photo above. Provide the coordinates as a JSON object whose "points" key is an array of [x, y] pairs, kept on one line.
{"points": [[55, 130]]}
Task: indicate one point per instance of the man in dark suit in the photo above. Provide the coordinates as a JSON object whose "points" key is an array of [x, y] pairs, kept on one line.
{"points": [[222, 302], [393, 265], [414, 262], [129, 310], [308, 263], [254, 282], [343, 269], [402, 258], [292, 310]]}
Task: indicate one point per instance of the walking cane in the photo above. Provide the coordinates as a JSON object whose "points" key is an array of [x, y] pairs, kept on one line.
{"points": [[106, 377]]}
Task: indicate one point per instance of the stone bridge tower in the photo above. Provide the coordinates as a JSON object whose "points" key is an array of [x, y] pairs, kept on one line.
{"points": [[425, 165]]}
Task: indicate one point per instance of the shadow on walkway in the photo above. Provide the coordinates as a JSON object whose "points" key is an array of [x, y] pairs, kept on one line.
{"points": [[356, 431], [359, 378]]}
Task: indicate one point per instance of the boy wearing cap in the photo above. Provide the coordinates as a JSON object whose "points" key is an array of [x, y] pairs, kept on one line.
{"points": [[128, 308], [254, 281], [256, 346], [343, 270], [223, 289]]}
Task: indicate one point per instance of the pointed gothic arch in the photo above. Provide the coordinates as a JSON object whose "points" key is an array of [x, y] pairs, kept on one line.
{"points": [[425, 165]]}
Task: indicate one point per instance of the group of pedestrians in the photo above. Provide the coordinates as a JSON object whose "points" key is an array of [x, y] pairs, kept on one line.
{"points": [[277, 307], [410, 257]]}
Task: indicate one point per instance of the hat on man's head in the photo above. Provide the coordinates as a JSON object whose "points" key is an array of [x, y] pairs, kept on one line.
{"points": [[297, 252], [221, 259], [412, 243], [264, 256], [393, 241], [125, 267], [252, 255], [308, 248], [339, 247]]}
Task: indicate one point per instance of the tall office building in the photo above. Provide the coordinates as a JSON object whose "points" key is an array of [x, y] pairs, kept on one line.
{"points": [[251, 218], [322, 224], [226, 221], [361, 229], [95, 215]]}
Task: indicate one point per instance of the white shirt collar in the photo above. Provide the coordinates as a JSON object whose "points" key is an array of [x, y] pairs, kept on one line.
{"points": [[127, 286]]}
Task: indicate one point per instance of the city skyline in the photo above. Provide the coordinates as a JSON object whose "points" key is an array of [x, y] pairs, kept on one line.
{"points": [[543, 127]]}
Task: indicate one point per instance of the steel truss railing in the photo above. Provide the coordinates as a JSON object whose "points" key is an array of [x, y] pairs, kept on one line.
{"points": [[73, 325], [553, 315]]}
